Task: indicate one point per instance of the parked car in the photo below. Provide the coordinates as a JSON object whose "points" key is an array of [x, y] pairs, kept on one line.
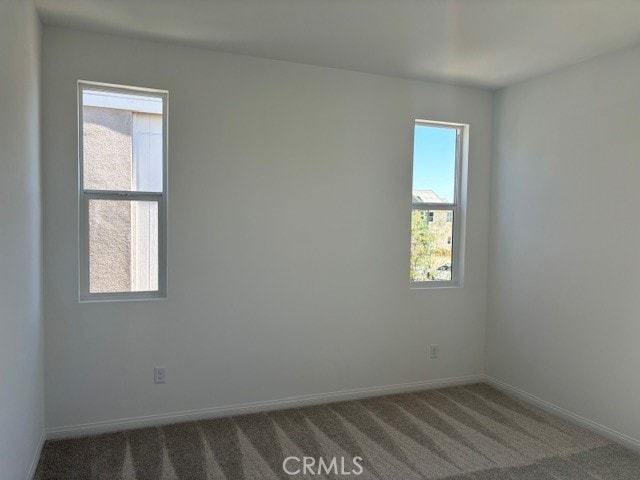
{"points": [[443, 272]]}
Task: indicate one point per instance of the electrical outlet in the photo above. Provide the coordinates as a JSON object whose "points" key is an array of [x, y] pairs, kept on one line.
{"points": [[159, 375], [434, 351]]}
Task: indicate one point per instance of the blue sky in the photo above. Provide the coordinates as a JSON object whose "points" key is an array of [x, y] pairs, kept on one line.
{"points": [[434, 160]]}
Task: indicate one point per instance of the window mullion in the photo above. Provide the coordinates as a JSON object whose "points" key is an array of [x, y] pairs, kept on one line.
{"points": [[433, 206], [123, 196]]}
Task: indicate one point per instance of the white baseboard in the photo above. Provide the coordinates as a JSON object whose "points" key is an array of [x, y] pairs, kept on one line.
{"points": [[36, 456], [607, 432], [317, 399], [228, 410]]}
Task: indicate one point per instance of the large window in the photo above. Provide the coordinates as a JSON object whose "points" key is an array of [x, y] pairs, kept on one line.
{"points": [[122, 139], [435, 210]]}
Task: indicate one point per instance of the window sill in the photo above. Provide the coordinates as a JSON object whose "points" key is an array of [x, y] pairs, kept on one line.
{"points": [[434, 285], [117, 298]]}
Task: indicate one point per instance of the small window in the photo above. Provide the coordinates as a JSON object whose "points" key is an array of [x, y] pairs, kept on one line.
{"points": [[123, 192], [435, 214]]}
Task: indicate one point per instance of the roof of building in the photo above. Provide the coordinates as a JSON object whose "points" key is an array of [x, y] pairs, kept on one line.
{"points": [[427, 196]]}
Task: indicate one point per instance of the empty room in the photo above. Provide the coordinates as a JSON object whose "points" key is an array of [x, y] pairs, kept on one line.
{"points": [[322, 239]]}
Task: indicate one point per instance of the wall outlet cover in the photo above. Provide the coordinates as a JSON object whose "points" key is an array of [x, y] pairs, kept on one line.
{"points": [[159, 375]]}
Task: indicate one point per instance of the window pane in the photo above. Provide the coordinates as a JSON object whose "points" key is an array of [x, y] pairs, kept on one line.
{"points": [[434, 164], [122, 141], [431, 243], [123, 246]]}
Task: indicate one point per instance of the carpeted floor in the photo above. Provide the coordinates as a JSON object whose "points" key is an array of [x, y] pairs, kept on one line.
{"points": [[462, 433]]}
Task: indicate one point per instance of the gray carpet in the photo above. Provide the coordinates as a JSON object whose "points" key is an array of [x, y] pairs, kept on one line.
{"points": [[463, 433]]}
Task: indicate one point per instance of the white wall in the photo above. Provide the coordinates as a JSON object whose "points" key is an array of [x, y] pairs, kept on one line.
{"points": [[289, 193], [564, 309], [21, 375]]}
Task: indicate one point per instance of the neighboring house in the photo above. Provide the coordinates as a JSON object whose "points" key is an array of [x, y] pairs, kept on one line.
{"points": [[431, 238], [441, 221], [427, 196], [122, 141]]}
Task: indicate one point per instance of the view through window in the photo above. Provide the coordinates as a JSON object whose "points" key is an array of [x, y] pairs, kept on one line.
{"points": [[435, 191], [122, 191]]}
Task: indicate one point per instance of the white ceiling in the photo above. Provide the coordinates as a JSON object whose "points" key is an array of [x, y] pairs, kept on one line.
{"points": [[488, 43]]}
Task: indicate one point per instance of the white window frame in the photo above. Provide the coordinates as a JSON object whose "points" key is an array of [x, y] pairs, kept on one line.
{"points": [[457, 206], [84, 196]]}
